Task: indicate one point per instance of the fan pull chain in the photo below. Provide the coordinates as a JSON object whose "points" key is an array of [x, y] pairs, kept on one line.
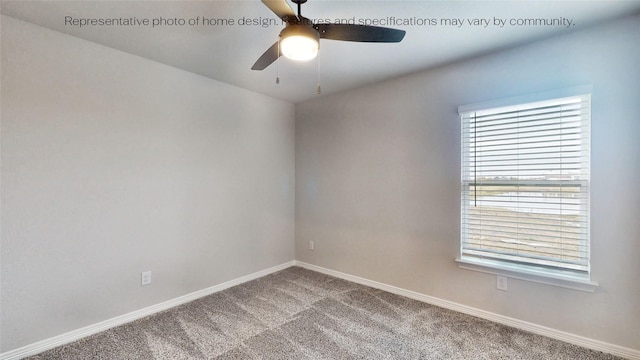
{"points": [[278, 65], [318, 58]]}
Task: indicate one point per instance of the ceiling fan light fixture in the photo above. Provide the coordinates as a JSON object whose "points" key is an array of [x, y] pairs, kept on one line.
{"points": [[299, 42]]}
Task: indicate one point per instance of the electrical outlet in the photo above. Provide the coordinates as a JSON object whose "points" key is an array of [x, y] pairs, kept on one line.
{"points": [[145, 278], [501, 282], [312, 245]]}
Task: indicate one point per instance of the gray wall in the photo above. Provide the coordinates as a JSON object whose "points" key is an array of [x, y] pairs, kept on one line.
{"points": [[378, 180], [112, 165]]}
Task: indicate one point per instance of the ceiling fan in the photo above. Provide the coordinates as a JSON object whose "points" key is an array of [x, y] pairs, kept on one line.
{"points": [[299, 40]]}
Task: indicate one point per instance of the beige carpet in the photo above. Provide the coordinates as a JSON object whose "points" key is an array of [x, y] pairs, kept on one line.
{"points": [[301, 314]]}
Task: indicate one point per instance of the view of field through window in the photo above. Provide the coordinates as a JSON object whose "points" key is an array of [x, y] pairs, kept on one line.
{"points": [[542, 222]]}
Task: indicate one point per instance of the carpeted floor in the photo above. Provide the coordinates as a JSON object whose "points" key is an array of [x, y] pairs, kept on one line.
{"points": [[301, 314]]}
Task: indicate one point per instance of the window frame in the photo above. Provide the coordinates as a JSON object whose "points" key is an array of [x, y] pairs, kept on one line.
{"points": [[579, 280]]}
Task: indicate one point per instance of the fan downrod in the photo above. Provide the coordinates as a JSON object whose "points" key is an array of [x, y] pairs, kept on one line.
{"points": [[299, 2]]}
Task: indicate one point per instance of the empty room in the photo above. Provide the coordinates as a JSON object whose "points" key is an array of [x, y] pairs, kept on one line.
{"points": [[320, 179]]}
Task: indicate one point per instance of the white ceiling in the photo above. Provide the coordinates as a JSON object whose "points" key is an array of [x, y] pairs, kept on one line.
{"points": [[227, 52]]}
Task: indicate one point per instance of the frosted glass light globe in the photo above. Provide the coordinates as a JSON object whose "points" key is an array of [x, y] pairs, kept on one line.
{"points": [[299, 47]]}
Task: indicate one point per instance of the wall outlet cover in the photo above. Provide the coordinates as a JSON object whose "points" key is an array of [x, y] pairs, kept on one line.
{"points": [[145, 278], [501, 282]]}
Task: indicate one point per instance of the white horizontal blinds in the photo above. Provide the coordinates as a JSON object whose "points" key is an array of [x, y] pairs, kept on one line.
{"points": [[525, 173]]}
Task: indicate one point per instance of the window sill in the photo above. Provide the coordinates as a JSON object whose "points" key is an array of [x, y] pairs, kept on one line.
{"points": [[565, 280]]}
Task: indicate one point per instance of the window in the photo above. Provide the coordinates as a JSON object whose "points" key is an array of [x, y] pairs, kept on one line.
{"points": [[525, 187]]}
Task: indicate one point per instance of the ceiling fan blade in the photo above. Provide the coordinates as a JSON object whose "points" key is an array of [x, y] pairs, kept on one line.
{"points": [[272, 54], [280, 8], [359, 33]]}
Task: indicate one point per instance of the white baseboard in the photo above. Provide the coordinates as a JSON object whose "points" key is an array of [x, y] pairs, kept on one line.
{"points": [[40, 346], [597, 345]]}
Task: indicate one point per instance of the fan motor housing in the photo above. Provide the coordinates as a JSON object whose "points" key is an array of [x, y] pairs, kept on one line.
{"points": [[300, 29]]}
